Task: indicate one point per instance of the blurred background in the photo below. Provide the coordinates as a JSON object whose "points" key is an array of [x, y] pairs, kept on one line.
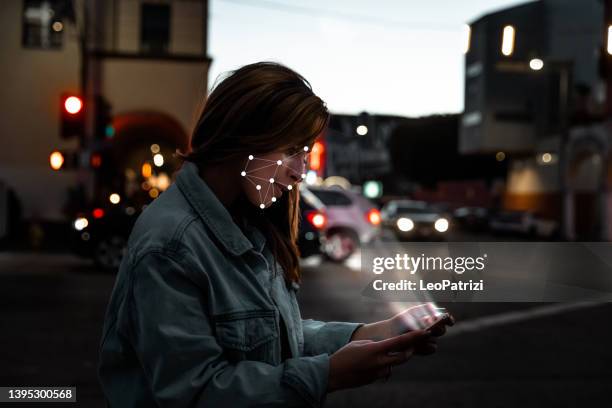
{"points": [[451, 121]]}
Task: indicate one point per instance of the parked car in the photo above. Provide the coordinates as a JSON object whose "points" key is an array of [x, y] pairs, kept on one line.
{"points": [[352, 221], [410, 219], [524, 223], [472, 218], [102, 233], [313, 224]]}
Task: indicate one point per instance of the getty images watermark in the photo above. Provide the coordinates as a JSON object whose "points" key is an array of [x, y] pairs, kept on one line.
{"points": [[488, 271], [413, 265]]}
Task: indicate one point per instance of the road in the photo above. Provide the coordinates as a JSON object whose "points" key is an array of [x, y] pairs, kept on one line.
{"points": [[499, 354]]}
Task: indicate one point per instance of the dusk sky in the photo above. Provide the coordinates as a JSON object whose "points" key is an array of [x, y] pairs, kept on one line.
{"points": [[387, 56]]}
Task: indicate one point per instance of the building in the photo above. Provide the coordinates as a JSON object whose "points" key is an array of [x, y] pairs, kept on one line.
{"points": [[147, 59], [535, 95], [356, 146]]}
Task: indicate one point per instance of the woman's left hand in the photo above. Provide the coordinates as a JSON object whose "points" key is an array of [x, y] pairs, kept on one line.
{"points": [[403, 322]]}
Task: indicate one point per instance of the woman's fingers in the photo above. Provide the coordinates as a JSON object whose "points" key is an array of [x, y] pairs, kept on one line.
{"points": [[437, 325], [426, 348], [438, 330], [395, 358], [402, 342]]}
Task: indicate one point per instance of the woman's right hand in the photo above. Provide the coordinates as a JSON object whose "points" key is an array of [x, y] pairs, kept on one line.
{"points": [[364, 361]]}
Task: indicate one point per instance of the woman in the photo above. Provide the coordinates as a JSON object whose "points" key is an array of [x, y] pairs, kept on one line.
{"points": [[204, 311]]}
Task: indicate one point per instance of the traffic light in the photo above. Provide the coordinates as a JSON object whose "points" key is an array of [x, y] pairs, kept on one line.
{"points": [[56, 160], [72, 117], [317, 157], [103, 119], [61, 160]]}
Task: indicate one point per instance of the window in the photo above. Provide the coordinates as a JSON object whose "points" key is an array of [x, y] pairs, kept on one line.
{"points": [[155, 28], [42, 23]]}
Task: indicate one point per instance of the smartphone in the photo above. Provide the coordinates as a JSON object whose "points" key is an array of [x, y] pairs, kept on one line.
{"points": [[441, 320]]}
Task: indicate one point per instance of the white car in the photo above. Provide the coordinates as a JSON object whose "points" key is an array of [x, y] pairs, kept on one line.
{"points": [[352, 221], [410, 219]]}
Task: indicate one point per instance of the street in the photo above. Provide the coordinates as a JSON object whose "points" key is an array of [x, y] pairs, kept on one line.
{"points": [[502, 355]]}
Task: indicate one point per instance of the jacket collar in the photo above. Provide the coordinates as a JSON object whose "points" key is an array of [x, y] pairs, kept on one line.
{"points": [[212, 211]]}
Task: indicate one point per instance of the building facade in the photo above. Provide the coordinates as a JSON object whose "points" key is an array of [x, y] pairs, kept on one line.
{"points": [[147, 59], [535, 95]]}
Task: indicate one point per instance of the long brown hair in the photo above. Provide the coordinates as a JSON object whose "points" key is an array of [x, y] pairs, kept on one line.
{"points": [[260, 108]]}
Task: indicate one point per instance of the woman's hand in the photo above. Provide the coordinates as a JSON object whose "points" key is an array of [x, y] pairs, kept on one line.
{"points": [[364, 361], [403, 322]]}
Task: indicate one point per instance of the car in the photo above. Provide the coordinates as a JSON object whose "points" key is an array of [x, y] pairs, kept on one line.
{"points": [[523, 223], [352, 221], [472, 218], [313, 224], [411, 219], [101, 233]]}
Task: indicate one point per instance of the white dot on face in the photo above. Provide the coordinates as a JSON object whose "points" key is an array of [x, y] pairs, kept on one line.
{"points": [[273, 199], [271, 180], [250, 157], [289, 187], [305, 148], [303, 176], [243, 173], [262, 206], [279, 162], [258, 187]]}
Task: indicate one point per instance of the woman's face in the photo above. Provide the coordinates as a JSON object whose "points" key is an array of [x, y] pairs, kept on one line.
{"points": [[265, 178]]}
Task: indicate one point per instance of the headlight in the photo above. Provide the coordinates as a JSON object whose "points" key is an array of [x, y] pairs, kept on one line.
{"points": [[441, 225], [405, 224], [80, 223]]}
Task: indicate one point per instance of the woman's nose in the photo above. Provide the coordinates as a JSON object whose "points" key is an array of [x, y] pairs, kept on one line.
{"points": [[295, 172], [295, 177]]}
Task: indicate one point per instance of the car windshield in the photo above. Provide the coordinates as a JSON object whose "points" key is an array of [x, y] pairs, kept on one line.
{"points": [[310, 200], [414, 209]]}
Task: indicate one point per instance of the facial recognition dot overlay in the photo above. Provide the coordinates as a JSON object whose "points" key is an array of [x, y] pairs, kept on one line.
{"points": [[267, 192]]}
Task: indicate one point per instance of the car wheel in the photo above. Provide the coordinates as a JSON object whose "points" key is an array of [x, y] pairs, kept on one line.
{"points": [[109, 252], [339, 245]]}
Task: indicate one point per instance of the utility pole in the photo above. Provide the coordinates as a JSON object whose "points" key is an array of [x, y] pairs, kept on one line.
{"points": [[567, 198], [606, 51]]}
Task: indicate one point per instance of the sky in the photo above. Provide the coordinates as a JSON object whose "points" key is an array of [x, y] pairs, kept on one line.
{"points": [[396, 57]]}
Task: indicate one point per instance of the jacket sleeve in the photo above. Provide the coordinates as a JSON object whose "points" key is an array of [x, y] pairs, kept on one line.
{"points": [[326, 337], [184, 365]]}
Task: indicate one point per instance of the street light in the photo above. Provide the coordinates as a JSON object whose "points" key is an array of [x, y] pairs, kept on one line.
{"points": [[158, 160], [507, 47], [114, 198], [467, 36], [536, 64], [56, 160], [564, 69], [609, 40]]}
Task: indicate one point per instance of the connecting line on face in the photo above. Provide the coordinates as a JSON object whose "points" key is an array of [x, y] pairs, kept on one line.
{"points": [[272, 180]]}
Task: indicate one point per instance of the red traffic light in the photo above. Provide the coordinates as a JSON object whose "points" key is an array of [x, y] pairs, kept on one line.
{"points": [[73, 104], [72, 116]]}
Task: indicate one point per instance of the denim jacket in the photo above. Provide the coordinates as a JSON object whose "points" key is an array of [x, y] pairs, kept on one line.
{"points": [[194, 316]]}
